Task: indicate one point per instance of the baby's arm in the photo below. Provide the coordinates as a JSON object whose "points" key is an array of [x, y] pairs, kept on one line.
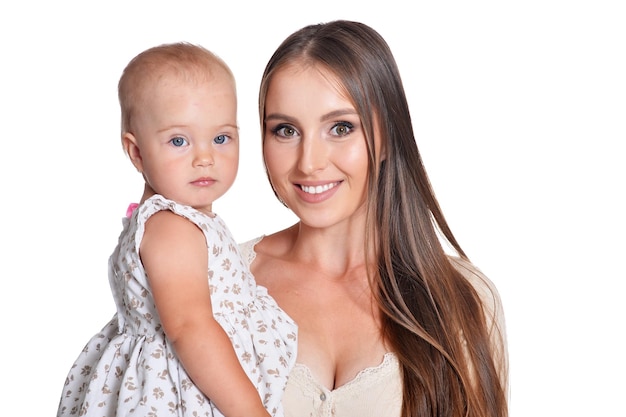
{"points": [[174, 254]]}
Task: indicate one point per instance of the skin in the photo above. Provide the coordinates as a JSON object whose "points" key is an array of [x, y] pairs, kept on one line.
{"points": [[185, 144], [316, 269]]}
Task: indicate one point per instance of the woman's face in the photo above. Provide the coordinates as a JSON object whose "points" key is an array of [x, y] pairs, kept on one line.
{"points": [[314, 146]]}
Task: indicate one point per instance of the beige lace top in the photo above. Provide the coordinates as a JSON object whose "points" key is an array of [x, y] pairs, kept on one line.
{"points": [[374, 392], [377, 391]]}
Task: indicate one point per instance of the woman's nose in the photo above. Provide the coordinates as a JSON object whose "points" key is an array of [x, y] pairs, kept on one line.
{"points": [[313, 155]]}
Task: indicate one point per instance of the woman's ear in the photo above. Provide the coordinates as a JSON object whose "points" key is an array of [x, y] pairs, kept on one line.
{"points": [[129, 142]]}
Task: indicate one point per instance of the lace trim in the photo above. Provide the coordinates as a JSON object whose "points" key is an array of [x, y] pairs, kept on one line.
{"points": [[368, 376], [247, 249], [302, 375]]}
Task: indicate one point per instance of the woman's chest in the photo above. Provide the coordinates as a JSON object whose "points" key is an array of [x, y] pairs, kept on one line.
{"points": [[338, 334], [374, 392]]}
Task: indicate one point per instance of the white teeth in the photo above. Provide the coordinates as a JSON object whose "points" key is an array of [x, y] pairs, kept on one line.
{"points": [[317, 189]]}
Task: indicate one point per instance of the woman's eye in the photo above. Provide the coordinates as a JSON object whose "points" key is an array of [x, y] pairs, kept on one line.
{"points": [[221, 139], [342, 128], [178, 141], [284, 131]]}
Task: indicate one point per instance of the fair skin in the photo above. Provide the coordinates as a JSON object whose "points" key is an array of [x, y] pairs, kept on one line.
{"points": [[316, 155], [185, 144]]}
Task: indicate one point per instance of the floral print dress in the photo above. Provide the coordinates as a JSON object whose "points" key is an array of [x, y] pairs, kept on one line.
{"points": [[130, 368]]}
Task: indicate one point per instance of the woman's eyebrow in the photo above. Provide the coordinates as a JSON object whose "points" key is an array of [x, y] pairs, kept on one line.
{"points": [[338, 113], [278, 116], [328, 116]]}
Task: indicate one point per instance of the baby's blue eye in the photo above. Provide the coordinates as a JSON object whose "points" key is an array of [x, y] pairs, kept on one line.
{"points": [[178, 141], [220, 139]]}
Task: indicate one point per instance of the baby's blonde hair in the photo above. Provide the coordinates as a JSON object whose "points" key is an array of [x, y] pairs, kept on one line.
{"points": [[185, 60]]}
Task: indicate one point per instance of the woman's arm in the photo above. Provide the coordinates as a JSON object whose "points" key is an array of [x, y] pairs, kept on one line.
{"points": [[175, 256], [494, 315]]}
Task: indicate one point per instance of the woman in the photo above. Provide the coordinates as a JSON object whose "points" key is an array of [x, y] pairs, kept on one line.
{"points": [[390, 324]]}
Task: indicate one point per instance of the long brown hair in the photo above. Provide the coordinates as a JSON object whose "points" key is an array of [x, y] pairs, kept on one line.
{"points": [[433, 317]]}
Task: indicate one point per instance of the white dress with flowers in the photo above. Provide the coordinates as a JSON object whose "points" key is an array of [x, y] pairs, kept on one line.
{"points": [[130, 369]]}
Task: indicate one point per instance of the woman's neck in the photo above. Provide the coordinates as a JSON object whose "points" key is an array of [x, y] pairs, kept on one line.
{"points": [[335, 250]]}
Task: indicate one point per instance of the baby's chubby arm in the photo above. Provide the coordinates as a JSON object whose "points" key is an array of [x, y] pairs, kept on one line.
{"points": [[175, 256]]}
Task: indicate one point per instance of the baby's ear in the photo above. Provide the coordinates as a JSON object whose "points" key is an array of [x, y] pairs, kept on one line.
{"points": [[129, 143]]}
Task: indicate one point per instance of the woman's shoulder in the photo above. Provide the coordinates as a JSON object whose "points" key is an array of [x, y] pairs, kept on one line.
{"points": [[492, 307], [481, 283], [486, 290], [494, 313], [247, 249], [274, 245]]}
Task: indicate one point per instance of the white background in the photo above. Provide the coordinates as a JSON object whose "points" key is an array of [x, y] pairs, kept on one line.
{"points": [[519, 110]]}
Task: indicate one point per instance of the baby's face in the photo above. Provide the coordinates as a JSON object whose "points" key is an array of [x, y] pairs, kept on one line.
{"points": [[188, 138]]}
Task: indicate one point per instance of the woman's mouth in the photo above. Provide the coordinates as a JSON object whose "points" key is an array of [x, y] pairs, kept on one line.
{"points": [[317, 189]]}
